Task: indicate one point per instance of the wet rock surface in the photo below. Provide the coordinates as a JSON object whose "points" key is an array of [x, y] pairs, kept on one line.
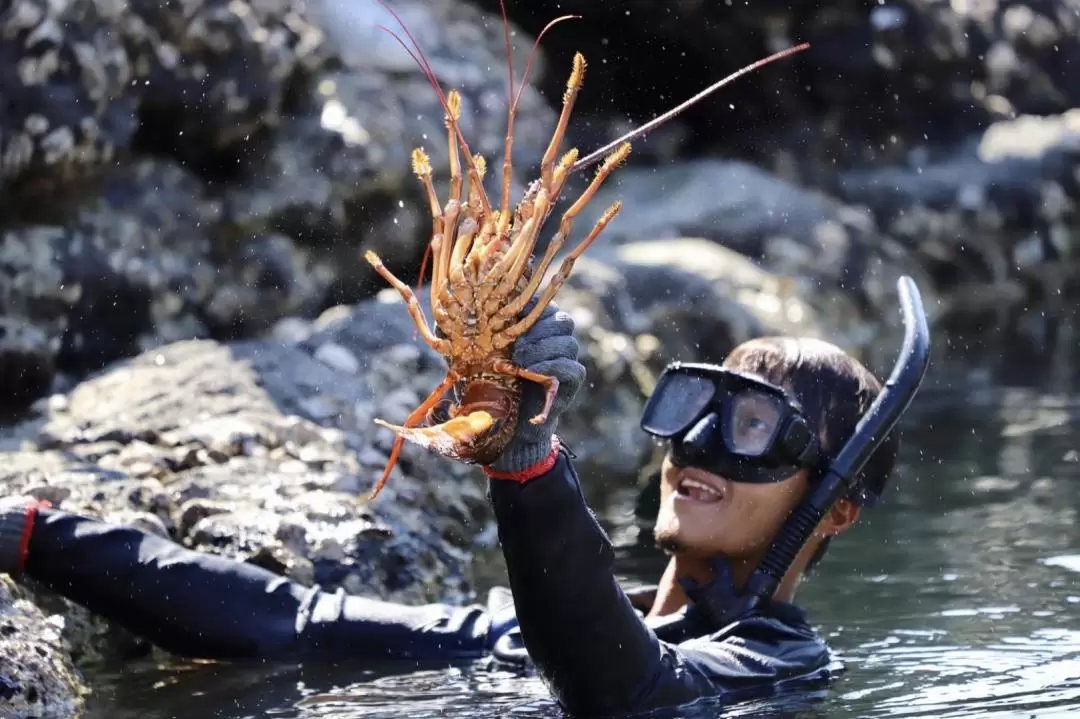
{"points": [[993, 223], [833, 251], [37, 678], [88, 80], [262, 451]]}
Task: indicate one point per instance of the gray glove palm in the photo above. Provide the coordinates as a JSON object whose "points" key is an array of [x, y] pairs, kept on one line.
{"points": [[548, 348]]}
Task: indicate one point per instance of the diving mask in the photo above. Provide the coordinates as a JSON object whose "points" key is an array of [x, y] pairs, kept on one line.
{"points": [[729, 423]]}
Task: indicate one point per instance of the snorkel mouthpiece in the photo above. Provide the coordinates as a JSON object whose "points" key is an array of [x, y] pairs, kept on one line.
{"points": [[840, 476]]}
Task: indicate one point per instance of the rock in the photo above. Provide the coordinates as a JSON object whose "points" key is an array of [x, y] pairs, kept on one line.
{"points": [[37, 678], [146, 245], [465, 49], [879, 78], [242, 61], [26, 361], [259, 451], [193, 78], [338, 358], [65, 112], [832, 252], [993, 223]]}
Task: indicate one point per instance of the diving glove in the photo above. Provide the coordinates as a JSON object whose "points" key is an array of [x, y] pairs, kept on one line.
{"points": [[548, 348]]}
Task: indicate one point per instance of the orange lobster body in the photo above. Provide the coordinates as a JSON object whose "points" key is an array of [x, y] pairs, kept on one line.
{"points": [[482, 280]]}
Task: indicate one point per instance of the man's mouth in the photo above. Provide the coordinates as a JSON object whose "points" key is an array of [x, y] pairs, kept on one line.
{"points": [[698, 490]]}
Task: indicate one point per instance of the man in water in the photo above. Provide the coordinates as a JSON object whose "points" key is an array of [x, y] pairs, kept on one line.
{"points": [[745, 443]]}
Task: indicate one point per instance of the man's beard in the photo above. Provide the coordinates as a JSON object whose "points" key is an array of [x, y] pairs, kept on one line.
{"points": [[667, 541]]}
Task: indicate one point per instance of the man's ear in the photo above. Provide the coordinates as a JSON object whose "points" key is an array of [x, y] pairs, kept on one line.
{"points": [[842, 515]]}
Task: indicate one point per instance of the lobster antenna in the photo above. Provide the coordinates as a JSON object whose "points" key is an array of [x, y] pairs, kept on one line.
{"points": [[532, 53], [425, 66], [508, 150], [422, 60], [512, 98], [597, 155]]}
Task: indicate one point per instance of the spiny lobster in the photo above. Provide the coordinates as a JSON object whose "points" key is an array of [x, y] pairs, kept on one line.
{"points": [[482, 272]]}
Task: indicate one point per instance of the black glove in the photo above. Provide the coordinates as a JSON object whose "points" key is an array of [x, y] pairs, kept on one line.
{"points": [[548, 348]]}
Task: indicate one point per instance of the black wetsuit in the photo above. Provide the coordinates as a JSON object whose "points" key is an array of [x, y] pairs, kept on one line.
{"points": [[590, 645]]}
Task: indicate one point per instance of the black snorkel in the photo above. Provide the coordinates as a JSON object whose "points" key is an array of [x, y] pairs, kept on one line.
{"points": [[838, 479], [840, 475]]}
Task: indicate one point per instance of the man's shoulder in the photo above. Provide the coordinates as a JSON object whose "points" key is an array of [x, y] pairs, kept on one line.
{"points": [[774, 644]]}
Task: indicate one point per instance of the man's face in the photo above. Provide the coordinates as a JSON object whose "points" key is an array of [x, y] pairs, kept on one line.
{"points": [[733, 519]]}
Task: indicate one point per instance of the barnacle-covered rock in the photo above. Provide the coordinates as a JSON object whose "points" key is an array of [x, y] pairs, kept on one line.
{"points": [[81, 79], [215, 73], [65, 78], [139, 265], [263, 451], [37, 678], [994, 223]]}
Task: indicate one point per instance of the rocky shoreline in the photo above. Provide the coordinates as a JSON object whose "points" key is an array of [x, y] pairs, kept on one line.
{"points": [[192, 341]]}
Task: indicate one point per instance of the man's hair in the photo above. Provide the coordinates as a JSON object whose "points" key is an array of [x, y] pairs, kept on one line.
{"points": [[835, 391]]}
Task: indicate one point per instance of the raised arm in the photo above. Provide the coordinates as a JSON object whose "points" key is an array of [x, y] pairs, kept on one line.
{"points": [[594, 651], [587, 641], [579, 627], [211, 607]]}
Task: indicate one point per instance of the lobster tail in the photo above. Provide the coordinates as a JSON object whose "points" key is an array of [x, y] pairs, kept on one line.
{"points": [[478, 430], [452, 438]]}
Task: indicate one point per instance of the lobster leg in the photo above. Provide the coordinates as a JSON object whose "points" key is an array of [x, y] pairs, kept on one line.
{"points": [[507, 311], [421, 167], [553, 175], [507, 336], [453, 204], [573, 85], [550, 385], [417, 414], [513, 308], [439, 345]]}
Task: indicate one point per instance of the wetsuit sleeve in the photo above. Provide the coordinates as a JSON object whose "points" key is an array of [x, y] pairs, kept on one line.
{"points": [[594, 651], [207, 606]]}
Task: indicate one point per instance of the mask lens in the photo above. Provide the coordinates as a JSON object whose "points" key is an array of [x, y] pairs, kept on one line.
{"points": [[676, 403], [752, 422]]}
